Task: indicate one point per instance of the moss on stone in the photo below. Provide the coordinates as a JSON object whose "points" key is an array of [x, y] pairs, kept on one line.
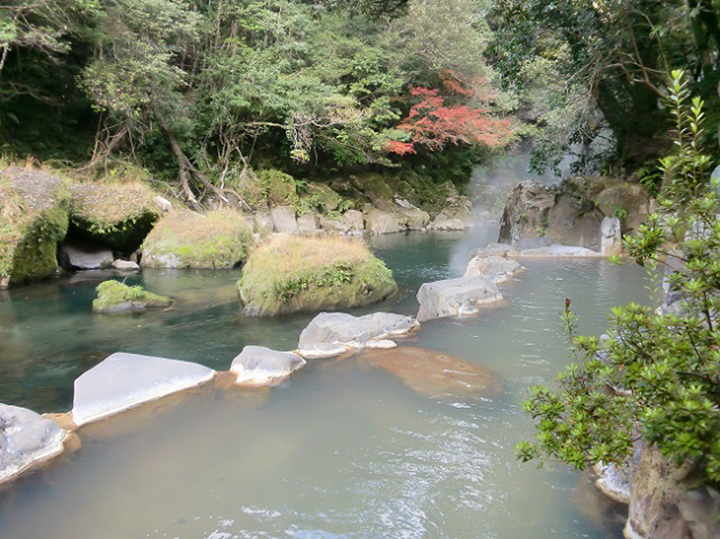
{"points": [[33, 220], [119, 215], [219, 239], [279, 188], [115, 297], [295, 274]]}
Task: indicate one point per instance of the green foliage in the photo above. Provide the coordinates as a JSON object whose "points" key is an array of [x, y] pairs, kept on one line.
{"points": [[656, 375]]}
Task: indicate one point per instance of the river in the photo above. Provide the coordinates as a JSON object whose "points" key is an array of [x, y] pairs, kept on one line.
{"points": [[339, 450]]}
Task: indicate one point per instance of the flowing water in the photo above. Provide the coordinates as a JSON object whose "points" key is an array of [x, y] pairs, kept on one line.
{"points": [[342, 449]]}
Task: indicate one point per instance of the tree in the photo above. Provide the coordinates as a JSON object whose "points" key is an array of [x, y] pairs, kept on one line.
{"points": [[657, 375]]}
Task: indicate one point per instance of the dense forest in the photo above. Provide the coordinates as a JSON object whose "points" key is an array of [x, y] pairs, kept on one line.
{"points": [[198, 91]]}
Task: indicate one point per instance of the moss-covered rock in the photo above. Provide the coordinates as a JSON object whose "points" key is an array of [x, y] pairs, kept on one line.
{"points": [[33, 220], [119, 215], [115, 298], [280, 188], [219, 239], [294, 274]]}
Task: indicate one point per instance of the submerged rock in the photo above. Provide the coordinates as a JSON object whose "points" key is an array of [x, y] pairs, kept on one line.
{"points": [[123, 381], [330, 334], [456, 297], [115, 298], [26, 440], [435, 374], [257, 365]]}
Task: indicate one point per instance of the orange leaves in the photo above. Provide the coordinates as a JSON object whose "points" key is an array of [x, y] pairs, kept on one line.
{"points": [[433, 125]]}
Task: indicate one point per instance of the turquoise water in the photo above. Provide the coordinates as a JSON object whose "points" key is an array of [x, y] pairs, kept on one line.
{"points": [[340, 450]]}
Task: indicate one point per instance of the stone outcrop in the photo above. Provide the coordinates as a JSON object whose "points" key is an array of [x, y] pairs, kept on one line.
{"points": [[27, 440], [299, 274], [456, 297], [118, 215], [284, 220], [350, 223], [257, 365], [34, 218], [219, 239], [665, 504], [123, 381], [611, 237], [115, 297], [573, 212], [435, 374], [331, 334]]}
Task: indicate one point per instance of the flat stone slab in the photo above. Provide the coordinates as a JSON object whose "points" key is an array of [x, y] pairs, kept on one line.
{"points": [[84, 255], [331, 334], [497, 268], [554, 250], [27, 440], [123, 381], [435, 374], [258, 365], [456, 297]]}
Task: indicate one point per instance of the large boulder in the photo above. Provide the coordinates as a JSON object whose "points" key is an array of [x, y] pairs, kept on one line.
{"points": [[26, 441], [330, 334], [351, 223], [284, 220], [629, 202], [456, 297], [219, 239], [435, 374], [78, 254], [115, 297], [257, 365], [666, 503], [379, 221], [294, 274], [33, 220], [123, 381], [119, 215]]}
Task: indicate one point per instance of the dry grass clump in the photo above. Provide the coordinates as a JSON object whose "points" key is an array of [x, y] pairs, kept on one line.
{"points": [[291, 274], [110, 203]]}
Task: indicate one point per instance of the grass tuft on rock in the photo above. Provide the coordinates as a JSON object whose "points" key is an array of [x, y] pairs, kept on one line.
{"points": [[115, 298], [296, 274], [219, 239]]}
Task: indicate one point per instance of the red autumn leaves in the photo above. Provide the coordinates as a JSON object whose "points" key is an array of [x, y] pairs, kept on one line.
{"points": [[432, 125]]}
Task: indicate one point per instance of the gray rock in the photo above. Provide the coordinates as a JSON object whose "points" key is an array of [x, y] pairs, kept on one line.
{"points": [[26, 440], [611, 237], [333, 332], [455, 297], [283, 219], [307, 222], [163, 204], [382, 222], [351, 222], [123, 381], [259, 366], [557, 250], [497, 268], [262, 223], [125, 265], [85, 255]]}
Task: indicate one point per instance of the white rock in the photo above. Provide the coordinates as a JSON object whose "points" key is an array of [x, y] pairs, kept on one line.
{"points": [[344, 330], [322, 351], [456, 297], [127, 265], [257, 365], [610, 237], [123, 381], [26, 440], [162, 203], [496, 268], [307, 222], [85, 255], [557, 250], [382, 344]]}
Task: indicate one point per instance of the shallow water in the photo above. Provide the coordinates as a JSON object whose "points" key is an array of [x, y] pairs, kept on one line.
{"points": [[342, 449]]}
